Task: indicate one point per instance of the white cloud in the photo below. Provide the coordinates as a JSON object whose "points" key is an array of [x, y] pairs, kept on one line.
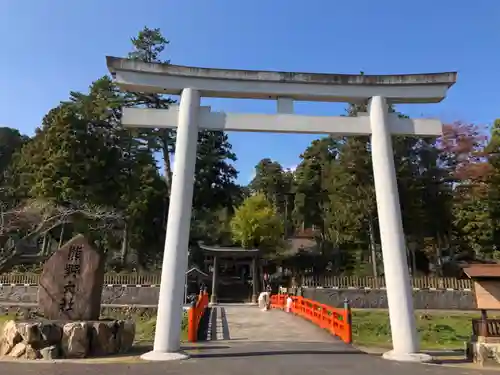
{"points": [[252, 176]]}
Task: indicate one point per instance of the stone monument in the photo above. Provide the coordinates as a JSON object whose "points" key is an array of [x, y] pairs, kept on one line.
{"points": [[69, 297], [71, 282]]}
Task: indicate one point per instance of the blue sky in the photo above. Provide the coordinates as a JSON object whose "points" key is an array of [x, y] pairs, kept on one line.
{"points": [[50, 47]]}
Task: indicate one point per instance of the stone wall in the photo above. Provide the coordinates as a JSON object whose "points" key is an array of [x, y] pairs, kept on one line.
{"points": [[111, 294], [377, 298], [445, 299]]}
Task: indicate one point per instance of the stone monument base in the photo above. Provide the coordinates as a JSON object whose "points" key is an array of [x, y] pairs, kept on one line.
{"points": [[484, 350], [49, 339]]}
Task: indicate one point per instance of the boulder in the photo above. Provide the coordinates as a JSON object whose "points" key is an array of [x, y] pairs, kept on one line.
{"points": [[30, 332], [127, 336], [62, 339], [75, 340], [50, 352], [51, 333], [18, 350], [10, 337], [104, 338], [31, 353]]}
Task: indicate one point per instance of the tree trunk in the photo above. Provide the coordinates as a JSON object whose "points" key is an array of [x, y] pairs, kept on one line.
{"points": [[61, 236], [2, 219], [45, 244], [413, 260], [167, 169], [409, 260], [439, 263], [373, 249], [124, 248]]}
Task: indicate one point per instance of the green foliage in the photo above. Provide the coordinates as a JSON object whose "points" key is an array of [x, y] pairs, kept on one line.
{"points": [[11, 142], [256, 224]]}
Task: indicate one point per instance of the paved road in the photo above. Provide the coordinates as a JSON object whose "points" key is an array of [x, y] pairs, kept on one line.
{"points": [[258, 342], [248, 358]]}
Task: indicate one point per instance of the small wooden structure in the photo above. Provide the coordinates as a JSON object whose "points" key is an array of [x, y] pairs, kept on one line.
{"points": [[486, 286], [195, 280], [234, 256]]}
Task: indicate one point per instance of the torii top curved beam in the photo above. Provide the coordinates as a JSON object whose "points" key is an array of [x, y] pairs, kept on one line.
{"points": [[133, 75]]}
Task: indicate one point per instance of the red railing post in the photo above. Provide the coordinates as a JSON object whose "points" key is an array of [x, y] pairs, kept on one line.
{"points": [[195, 313], [347, 322], [192, 329]]}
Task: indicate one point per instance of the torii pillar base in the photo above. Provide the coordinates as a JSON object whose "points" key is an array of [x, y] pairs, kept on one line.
{"points": [[164, 356], [407, 357]]}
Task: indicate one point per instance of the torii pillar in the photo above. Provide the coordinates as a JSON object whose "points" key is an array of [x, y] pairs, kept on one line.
{"points": [[399, 293]]}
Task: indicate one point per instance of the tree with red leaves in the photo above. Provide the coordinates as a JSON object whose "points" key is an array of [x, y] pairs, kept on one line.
{"points": [[470, 161]]}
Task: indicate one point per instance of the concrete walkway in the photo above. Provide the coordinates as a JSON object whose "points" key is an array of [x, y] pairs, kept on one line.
{"points": [[248, 323], [252, 342]]}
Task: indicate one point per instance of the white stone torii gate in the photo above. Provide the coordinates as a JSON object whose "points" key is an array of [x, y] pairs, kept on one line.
{"points": [[192, 83]]}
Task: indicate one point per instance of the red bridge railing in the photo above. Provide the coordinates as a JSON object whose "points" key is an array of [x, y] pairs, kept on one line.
{"points": [[195, 313], [337, 321]]}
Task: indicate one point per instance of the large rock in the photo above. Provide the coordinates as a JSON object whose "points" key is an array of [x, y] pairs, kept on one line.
{"points": [[50, 352], [71, 282], [126, 335], [104, 337], [62, 339], [18, 350], [10, 337], [75, 340], [51, 333], [31, 353], [30, 332]]}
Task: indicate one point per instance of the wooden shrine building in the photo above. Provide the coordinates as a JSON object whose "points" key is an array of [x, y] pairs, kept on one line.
{"points": [[235, 273]]}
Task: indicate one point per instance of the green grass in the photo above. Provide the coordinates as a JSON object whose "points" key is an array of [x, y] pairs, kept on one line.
{"points": [[145, 329], [437, 330], [4, 318]]}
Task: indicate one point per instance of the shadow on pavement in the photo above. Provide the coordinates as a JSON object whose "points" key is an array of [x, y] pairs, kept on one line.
{"points": [[272, 353], [204, 347], [448, 357], [445, 353], [141, 349]]}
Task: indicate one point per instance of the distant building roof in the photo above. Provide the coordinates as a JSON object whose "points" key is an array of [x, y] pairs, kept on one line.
{"points": [[196, 270]]}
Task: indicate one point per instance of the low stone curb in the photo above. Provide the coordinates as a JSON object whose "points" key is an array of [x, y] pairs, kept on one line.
{"points": [[82, 361]]}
